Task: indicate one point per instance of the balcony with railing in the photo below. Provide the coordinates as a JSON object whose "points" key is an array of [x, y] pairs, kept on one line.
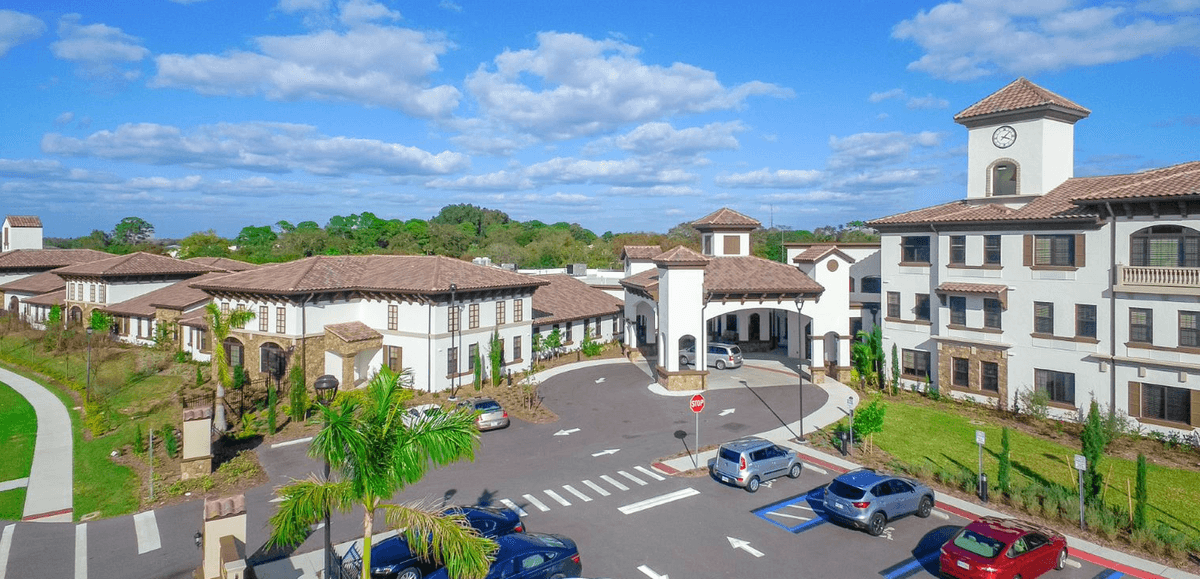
{"points": [[1150, 279]]}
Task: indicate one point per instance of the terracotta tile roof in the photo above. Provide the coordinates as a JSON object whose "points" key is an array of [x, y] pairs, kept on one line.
{"points": [[352, 331], [646, 281], [1168, 182], [24, 221], [29, 259], [411, 274], [223, 263], [646, 252], [680, 255], [818, 252], [725, 218], [54, 298], [194, 319], [135, 264], [177, 296], [953, 287], [1018, 95], [38, 283], [753, 275], [566, 298]]}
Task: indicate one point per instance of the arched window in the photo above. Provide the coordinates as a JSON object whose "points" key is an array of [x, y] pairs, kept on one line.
{"points": [[235, 353], [1165, 246], [1004, 178], [271, 359]]}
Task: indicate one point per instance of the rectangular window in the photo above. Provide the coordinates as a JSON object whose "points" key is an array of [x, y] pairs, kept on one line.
{"points": [[1141, 325], [989, 376], [708, 245], [102, 293], [516, 348], [915, 364], [851, 285], [958, 249], [567, 338], [614, 329], [893, 305], [991, 250], [393, 317], [280, 320], [958, 310], [1060, 386], [500, 312], [1043, 318], [921, 309], [1166, 403], [962, 372], [92, 292], [518, 310], [1189, 329], [472, 354], [395, 357], [914, 249], [1055, 250], [451, 361], [473, 320], [225, 308], [264, 318], [871, 285], [452, 318], [1085, 321], [992, 310]]}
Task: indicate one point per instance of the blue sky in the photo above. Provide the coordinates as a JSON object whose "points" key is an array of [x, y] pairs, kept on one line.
{"points": [[620, 116]]}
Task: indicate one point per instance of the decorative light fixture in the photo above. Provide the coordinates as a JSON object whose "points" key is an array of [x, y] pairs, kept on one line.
{"points": [[327, 389], [199, 539]]}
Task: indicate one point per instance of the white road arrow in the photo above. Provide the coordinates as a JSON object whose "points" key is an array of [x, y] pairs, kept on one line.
{"points": [[604, 452], [600, 380], [566, 432], [726, 411], [744, 545], [650, 572]]}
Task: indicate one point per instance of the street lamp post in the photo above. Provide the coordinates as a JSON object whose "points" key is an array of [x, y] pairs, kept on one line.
{"points": [[453, 341], [327, 389], [850, 407], [800, 390], [87, 390]]}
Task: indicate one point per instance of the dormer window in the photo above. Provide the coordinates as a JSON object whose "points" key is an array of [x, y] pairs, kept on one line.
{"points": [[1004, 178]]}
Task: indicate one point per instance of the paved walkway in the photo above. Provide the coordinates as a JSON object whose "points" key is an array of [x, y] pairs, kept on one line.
{"points": [[51, 484]]}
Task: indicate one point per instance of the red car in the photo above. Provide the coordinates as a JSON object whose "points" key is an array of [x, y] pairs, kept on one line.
{"points": [[995, 548]]}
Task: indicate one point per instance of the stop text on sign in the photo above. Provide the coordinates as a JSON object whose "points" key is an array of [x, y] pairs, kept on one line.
{"points": [[697, 403]]}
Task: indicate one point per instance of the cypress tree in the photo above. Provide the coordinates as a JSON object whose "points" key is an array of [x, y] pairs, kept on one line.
{"points": [[1094, 440], [1004, 471], [1140, 494]]}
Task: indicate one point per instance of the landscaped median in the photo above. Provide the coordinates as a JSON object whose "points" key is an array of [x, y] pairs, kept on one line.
{"points": [[18, 432]]}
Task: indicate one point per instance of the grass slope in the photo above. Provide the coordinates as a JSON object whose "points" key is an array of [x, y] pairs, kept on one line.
{"points": [[18, 431]]}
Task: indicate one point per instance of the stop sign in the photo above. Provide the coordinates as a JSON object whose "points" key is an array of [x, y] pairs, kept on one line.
{"points": [[697, 403]]}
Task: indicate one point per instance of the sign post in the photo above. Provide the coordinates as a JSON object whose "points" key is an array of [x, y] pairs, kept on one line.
{"points": [[1080, 465], [697, 404], [850, 408], [980, 439]]}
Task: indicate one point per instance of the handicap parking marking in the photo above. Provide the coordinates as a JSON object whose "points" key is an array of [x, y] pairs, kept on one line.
{"points": [[1109, 574], [911, 566], [810, 501]]}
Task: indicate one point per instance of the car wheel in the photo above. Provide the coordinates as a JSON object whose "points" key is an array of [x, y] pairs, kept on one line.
{"points": [[752, 484], [795, 472], [720, 364], [1062, 559], [876, 525], [925, 508], [683, 361], [409, 573]]}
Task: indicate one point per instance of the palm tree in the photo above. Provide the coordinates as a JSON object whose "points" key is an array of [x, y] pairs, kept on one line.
{"points": [[866, 353], [374, 455], [219, 324]]}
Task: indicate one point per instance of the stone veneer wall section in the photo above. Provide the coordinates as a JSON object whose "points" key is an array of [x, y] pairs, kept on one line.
{"points": [[947, 351]]}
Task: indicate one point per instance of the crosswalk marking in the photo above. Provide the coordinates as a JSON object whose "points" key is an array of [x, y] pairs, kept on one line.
{"points": [[610, 480], [632, 478], [5, 547], [147, 532], [533, 501], [596, 488], [514, 507], [659, 500], [81, 551], [649, 473], [581, 496], [557, 497]]}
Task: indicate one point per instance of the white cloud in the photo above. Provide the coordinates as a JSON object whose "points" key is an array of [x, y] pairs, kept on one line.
{"points": [[634, 172], [767, 179], [888, 180], [875, 149], [660, 139], [877, 97], [571, 86], [293, 6], [975, 38], [354, 12], [655, 191], [370, 65], [43, 169], [927, 102], [100, 51], [261, 147], [65, 118], [451, 6], [497, 181], [189, 183], [17, 28]]}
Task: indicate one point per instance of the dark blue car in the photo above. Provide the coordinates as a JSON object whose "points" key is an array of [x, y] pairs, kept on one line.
{"points": [[531, 556], [392, 559]]}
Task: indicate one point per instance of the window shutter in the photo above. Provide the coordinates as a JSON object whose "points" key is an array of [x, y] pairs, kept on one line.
{"points": [[1135, 398], [1028, 250], [1080, 250], [1195, 408]]}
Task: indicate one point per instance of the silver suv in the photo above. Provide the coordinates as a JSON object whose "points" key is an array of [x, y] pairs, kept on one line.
{"points": [[720, 356], [746, 462], [869, 500]]}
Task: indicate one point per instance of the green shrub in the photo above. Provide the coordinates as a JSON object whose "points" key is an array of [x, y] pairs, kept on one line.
{"points": [[1003, 471], [170, 441], [1016, 499], [1174, 543], [1033, 402], [182, 356], [1139, 494], [199, 376], [297, 395], [139, 441]]}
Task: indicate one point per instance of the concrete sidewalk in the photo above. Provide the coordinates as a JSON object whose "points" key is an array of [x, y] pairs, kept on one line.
{"points": [[48, 496]]}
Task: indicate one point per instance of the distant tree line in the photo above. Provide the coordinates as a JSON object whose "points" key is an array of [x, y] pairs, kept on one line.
{"points": [[462, 231]]}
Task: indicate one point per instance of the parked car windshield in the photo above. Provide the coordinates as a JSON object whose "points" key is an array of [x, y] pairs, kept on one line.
{"points": [[845, 491], [736, 351], [730, 454], [980, 545], [487, 406]]}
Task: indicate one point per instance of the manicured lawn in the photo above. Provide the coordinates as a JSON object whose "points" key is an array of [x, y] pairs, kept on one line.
{"points": [[944, 435], [18, 431]]}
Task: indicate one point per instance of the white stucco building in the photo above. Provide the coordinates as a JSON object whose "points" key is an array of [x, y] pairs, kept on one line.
{"points": [[1079, 287], [21, 232]]}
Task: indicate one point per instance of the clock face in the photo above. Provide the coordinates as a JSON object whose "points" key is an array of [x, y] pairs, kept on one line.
{"points": [[1004, 137]]}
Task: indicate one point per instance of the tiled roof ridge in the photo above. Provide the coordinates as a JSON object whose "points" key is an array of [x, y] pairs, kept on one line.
{"points": [[1020, 94], [1143, 178]]}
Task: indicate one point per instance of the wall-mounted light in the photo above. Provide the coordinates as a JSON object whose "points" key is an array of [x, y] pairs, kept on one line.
{"points": [[199, 539]]}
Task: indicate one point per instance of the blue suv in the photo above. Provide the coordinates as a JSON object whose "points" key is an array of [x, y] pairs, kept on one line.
{"points": [[869, 500]]}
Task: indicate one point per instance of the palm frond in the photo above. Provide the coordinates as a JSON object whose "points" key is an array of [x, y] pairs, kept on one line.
{"points": [[304, 504], [341, 438], [440, 440], [445, 538]]}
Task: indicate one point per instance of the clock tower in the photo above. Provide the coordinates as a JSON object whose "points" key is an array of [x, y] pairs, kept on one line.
{"points": [[1020, 142]]}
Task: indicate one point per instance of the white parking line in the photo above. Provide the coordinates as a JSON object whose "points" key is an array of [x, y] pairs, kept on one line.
{"points": [[815, 469], [659, 500], [533, 501], [581, 496], [81, 551], [799, 506], [597, 488], [557, 497], [514, 507], [5, 547], [291, 442], [649, 473], [779, 514], [941, 515], [632, 478], [147, 532], [610, 480]]}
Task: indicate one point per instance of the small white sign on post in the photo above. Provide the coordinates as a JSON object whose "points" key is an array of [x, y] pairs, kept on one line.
{"points": [[980, 437], [1080, 462]]}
